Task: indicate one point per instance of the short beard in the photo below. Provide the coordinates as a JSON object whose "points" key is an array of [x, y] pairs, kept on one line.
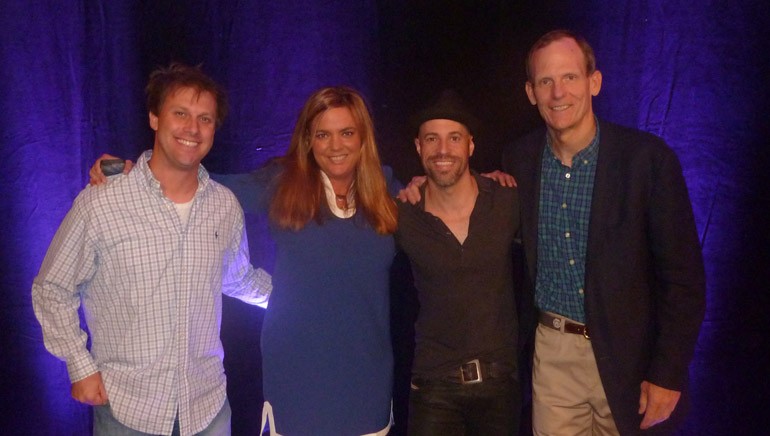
{"points": [[443, 179]]}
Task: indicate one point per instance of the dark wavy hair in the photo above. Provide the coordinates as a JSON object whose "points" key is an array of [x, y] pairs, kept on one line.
{"points": [[165, 81]]}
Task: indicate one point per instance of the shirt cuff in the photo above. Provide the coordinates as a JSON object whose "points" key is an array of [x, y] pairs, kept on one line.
{"points": [[80, 367]]}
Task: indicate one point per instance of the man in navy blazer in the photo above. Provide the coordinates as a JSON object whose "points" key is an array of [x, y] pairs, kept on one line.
{"points": [[617, 278]]}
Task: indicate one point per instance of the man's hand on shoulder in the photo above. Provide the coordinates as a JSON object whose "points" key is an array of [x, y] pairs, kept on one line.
{"points": [[504, 179], [90, 390], [657, 404], [412, 191], [96, 174]]}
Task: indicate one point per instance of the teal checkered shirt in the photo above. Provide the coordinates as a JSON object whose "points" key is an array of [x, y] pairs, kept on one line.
{"points": [[562, 231]]}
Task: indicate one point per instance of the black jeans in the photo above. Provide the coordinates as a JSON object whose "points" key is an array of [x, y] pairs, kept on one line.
{"points": [[446, 408]]}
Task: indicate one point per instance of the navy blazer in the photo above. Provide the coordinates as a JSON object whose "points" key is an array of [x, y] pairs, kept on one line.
{"points": [[645, 281]]}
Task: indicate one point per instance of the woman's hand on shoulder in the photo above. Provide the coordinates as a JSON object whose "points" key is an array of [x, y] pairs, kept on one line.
{"points": [[96, 174]]}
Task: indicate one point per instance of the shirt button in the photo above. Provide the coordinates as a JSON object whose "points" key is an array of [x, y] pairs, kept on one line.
{"points": [[567, 176], [572, 261], [566, 235], [585, 161], [564, 205], [580, 291]]}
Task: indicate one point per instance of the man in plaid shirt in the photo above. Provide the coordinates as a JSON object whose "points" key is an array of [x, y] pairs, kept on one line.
{"points": [[149, 255]]}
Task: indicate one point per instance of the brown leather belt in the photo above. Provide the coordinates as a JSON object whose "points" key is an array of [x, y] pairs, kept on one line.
{"points": [[558, 322]]}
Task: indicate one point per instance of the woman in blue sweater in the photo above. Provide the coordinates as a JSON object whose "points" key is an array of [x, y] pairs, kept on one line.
{"points": [[327, 362]]}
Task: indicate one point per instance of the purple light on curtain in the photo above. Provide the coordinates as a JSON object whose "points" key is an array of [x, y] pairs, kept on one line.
{"points": [[42, 104], [66, 91]]}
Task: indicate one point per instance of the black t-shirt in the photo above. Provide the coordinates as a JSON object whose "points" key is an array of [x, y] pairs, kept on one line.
{"points": [[467, 308]]}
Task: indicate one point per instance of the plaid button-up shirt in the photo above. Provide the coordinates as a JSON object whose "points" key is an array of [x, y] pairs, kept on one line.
{"points": [[562, 231], [151, 287]]}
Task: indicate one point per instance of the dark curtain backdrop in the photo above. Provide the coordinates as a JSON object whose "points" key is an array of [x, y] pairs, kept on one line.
{"points": [[71, 88]]}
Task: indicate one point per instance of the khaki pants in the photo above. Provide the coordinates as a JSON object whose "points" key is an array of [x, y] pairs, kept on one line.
{"points": [[567, 394]]}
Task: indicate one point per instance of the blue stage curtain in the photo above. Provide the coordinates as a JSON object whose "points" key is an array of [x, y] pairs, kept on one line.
{"points": [[71, 88]]}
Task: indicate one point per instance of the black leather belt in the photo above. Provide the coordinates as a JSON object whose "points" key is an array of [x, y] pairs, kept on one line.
{"points": [[474, 371], [557, 322]]}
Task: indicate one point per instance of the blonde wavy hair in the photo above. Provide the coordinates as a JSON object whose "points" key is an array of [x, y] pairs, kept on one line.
{"points": [[299, 195]]}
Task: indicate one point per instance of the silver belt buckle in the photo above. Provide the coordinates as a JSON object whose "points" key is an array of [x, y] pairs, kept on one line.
{"points": [[470, 372]]}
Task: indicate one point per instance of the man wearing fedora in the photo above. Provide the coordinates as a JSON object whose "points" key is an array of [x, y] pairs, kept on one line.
{"points": [[459, 239]]}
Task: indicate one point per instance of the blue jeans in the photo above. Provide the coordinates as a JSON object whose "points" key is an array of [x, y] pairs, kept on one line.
{"points": [[105, 424], [446, 408]]}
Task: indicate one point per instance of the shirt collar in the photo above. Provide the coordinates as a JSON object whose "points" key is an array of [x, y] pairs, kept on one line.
{"points": [[142, 164], [585, 156], [331, 198]]}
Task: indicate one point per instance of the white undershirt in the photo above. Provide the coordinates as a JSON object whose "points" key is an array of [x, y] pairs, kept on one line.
{"points": [[331, 199], [183, 209]]}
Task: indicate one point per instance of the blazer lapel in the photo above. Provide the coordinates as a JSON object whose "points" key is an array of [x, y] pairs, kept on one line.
{"points": [[529, 191], [605, 193]]}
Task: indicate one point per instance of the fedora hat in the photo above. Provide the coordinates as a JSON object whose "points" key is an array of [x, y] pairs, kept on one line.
{"points": [[448, 106]]}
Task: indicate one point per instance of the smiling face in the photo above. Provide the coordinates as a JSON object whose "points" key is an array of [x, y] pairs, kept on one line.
{"points": [[444, 147], [184, 130], [562, 89], [336, 146]]}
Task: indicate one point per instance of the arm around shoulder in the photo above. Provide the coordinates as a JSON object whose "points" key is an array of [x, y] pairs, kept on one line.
{"points": [[253, 190], [393, 184]]}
